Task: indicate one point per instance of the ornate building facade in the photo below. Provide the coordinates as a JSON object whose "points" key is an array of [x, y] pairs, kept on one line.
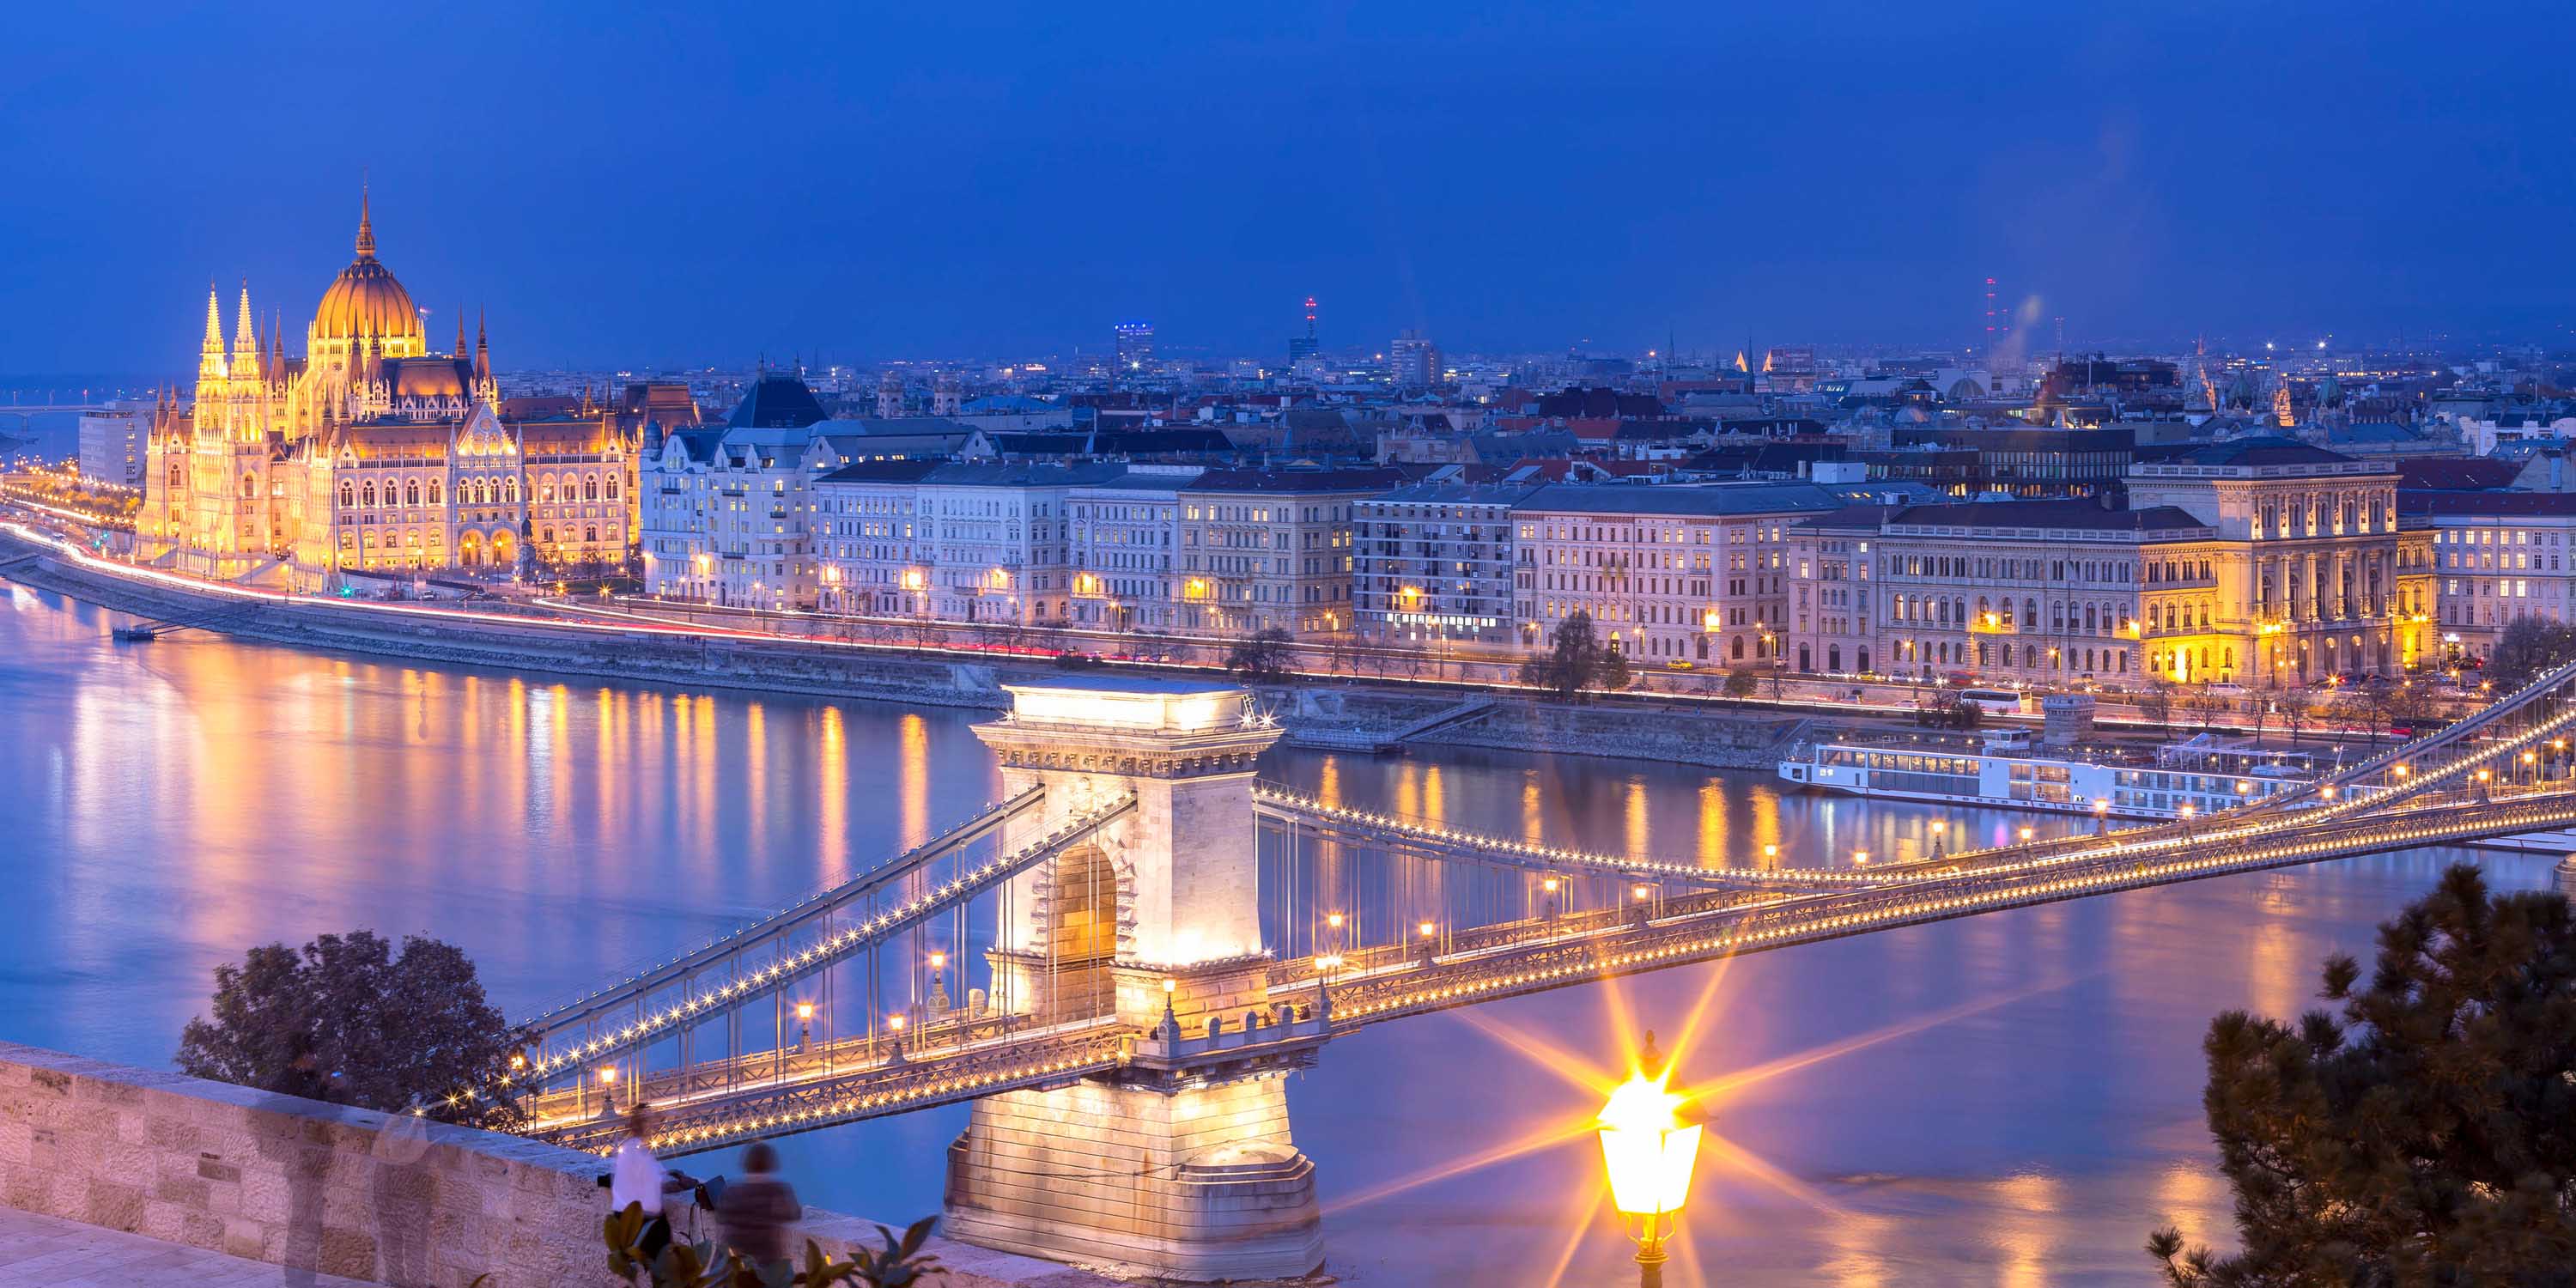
{"points": [[372, 453]]}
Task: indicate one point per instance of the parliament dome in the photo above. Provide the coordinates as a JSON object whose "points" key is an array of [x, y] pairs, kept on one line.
{"points": [[365, 299]]}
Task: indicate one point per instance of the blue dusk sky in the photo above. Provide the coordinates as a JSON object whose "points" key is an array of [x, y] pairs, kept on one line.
{"points": [[642, 185]]}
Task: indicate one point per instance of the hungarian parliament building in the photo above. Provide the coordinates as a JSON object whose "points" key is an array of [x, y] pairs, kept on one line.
{"points": [[371, 453]]}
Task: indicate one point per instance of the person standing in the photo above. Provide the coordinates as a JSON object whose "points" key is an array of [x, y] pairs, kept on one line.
{"points": [[755, 1215], [635, 1176]]}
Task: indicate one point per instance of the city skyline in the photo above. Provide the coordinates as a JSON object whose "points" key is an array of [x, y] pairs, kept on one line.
{"points": [[889, 187]]}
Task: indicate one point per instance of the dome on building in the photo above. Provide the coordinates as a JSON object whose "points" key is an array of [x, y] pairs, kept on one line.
{"points": [[365, 299]]}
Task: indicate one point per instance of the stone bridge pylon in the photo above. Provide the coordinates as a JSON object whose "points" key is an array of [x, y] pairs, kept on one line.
{"points": [[1179, 1163]]}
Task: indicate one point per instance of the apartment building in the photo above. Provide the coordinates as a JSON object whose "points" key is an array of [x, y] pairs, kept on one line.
{"points": [[1123, 536], [868, 539], [2002, 591], [995, 544], [1270, 548], [1434, 563], [2494, 557], [1669, 573]]}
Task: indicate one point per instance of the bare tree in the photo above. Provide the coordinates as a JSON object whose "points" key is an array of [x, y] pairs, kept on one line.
{"points": [[2298, 706]]}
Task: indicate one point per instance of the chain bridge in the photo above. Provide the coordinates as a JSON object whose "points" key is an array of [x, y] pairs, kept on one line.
{"points": [[1162, 938]]}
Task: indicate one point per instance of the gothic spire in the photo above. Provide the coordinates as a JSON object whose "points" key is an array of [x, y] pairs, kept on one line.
{"points": [[366, 226], [482, 348], [210, 360], [245, 337]]}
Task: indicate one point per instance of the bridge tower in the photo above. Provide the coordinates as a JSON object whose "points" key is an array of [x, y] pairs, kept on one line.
{"points": [[1179, 1164]]}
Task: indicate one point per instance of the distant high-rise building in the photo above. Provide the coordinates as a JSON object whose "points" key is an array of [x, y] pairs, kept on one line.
{"points": [[1302, 347], [1135, 348], [1413, 362]]}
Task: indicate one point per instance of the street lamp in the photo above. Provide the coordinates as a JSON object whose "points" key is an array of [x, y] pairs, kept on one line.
{"points": [[1648, 1151], [804, 1024]]}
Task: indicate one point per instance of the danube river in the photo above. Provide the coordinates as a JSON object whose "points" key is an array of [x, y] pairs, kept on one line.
{"points": [[2008, 1099]]}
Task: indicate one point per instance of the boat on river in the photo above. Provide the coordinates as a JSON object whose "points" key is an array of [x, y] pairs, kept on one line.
{"points": [[2009, 769]]}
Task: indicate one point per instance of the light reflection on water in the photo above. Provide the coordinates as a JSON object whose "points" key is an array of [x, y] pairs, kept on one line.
{"points": [[2025, 1107]]}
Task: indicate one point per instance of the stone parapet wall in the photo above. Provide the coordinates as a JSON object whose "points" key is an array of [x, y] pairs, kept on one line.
{"points": [[343, 1191], [1716, 738]]}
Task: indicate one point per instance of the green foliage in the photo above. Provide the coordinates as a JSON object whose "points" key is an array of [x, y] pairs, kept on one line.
{"points": [[2427, 1135], [1573, 661], [346, 1020], [1949, 711], [1741, 682], [1614, 670], [1262, 655], [2526, 647], [900, 1264]]}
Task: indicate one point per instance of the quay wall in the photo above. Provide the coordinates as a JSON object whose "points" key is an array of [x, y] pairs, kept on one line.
{"points": [[1632, 726], [342, 1191]]}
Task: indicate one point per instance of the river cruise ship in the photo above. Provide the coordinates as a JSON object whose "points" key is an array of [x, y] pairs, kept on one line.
{"points": [[2004, 768]]}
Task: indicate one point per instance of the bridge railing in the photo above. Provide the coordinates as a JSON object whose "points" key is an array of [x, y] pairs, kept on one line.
{"points": [[787, 966], [859, 888], [1433, 837]]}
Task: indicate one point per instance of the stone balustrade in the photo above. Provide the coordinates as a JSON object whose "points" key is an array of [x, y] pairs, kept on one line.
{"points": [[343, 1191]]}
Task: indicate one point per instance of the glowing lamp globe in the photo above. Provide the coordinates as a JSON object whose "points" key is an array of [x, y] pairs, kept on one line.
{"points": [[1647, 1149]]}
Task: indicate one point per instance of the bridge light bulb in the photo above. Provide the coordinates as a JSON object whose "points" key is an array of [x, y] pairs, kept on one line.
{"points": [[1426, 928], [608, 1075], [1641, 890], [804, 1010], [2025, 834], [1548, 884], [938, 960], [1773, 851], [895, 1022]]}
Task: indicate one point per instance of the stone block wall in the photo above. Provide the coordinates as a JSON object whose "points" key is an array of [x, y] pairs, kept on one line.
{"points": [[1200, 1185], [344, 1191]]}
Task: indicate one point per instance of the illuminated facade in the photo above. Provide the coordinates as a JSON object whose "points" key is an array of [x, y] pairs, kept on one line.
{"points": [[369, 452], [2258, 561]]}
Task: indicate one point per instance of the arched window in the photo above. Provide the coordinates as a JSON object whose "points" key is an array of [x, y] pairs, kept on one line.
{"points": [[547, 535], [411, 492], [590, 488], [589, 533], [510, 490], [370, 494], [612, 487], [348, 494], [250, 486], [546, 489], [434, 492]]}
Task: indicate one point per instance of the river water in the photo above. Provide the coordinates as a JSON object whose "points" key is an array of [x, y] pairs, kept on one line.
{"points": [[2008, 1099]]}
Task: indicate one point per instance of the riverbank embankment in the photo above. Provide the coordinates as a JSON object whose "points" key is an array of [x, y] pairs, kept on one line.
{"points": [[1349, 715]]}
